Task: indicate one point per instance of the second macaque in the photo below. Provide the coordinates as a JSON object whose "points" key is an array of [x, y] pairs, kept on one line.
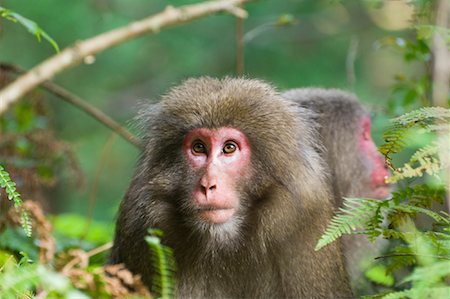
{"points": [[356, 168]]}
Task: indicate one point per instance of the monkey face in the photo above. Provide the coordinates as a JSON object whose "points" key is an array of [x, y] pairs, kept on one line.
{"points": [[376, 163], [221, 158]]}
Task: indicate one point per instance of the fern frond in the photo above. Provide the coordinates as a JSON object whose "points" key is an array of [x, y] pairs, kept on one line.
{"points": [[430, 274], [424, 160], [355, 213], [445, 127], [423, 115], [419, 195], [402, 257], [398, 295], [437, 292], [429, 119], [163, 265], [409, 209], [430, 150], [428, 165], [10, 188], [395, 141]]}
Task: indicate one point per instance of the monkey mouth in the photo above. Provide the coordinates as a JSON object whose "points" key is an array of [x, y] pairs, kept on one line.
{"points": [[381, 191], [215, 215]]}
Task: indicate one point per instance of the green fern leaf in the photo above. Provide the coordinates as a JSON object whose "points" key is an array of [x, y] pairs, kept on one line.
{"points": [[163, 265], [10, 188], [412, 209], [395, 141], [355, 213], [398, 295], [429, 119], [423, 115]]}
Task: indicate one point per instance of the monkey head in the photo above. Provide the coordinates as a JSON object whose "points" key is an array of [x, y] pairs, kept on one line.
{"points": [[227, 144]]}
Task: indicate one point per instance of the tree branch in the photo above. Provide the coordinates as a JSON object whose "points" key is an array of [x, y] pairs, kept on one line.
{"points": [[81, 104], [74, 55]]}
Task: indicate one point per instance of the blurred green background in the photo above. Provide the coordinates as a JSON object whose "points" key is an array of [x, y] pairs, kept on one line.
{"points": [[291, 43]]}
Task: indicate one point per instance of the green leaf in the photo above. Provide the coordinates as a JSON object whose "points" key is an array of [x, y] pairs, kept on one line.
{"points": [[30, 25], [379, 274], [10, 188], [163, 263], [356, 213]]}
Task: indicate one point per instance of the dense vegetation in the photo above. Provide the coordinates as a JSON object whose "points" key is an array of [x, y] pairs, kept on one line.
{"points": [[62, 173]]}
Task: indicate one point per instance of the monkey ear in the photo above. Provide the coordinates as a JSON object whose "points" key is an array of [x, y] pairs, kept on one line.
{"points": [[366, 128]]}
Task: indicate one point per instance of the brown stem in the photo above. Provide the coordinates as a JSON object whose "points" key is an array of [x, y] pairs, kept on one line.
{"points": [[81, 104]]}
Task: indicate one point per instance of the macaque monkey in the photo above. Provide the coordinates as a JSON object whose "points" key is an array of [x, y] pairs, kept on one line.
{"points": [[231, 174], [357, 169]]}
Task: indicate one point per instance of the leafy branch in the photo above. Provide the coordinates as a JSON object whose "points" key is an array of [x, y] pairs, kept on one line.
{"points": [[30, 25]]}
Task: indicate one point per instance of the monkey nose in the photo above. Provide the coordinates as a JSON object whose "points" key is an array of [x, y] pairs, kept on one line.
{"points": [[207, 188]]}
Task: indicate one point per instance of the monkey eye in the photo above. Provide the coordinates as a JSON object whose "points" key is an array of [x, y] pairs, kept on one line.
{"points": [[229, 148], [199, 148]]}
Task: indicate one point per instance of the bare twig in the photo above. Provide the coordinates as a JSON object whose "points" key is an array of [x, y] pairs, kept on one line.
{"points": [[81, 257], [91, 110], [79, 103], [100, 249], [74, 55]]}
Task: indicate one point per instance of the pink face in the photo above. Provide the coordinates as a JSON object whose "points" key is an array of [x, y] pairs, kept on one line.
{"points": [[379, 171], [223, 157]]}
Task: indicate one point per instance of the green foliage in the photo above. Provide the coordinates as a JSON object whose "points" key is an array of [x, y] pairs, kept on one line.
{"points": [[76, 270], [20, 280], [379, 274], [10, 188], [163, 265], [15, 240], [30, 149], [95, 232], [428, 278], [428, 119], [370, 214], [30, 25], [356, 213]]}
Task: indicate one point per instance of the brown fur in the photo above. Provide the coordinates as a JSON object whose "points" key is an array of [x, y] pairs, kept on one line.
{"points": [[285, 206]]}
